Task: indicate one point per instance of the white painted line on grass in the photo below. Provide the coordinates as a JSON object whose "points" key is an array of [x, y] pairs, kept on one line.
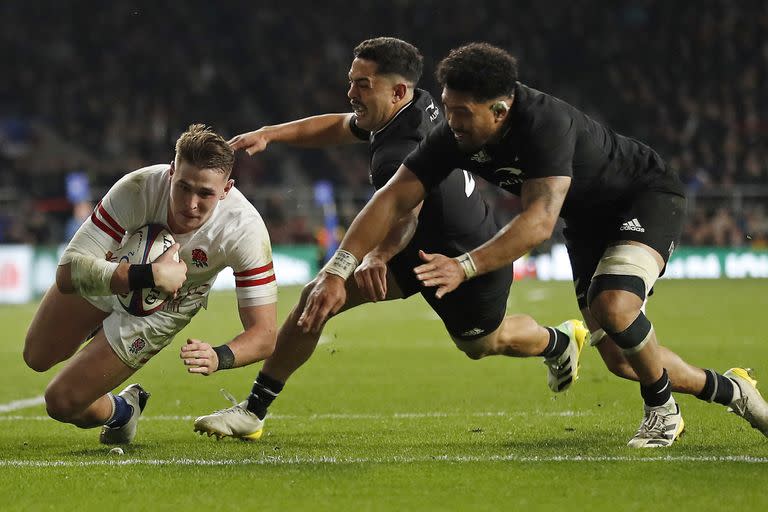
{"points": [[342, 416], [395, 459], [22, 404]]}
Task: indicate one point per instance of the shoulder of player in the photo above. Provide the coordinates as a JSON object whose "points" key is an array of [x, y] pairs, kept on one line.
{"points": [[540, 107], [538, 114], [414, 120], [146, 177], [237, 212]]}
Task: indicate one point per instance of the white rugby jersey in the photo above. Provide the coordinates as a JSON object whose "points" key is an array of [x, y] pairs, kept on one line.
{"points": [[234, 236]]}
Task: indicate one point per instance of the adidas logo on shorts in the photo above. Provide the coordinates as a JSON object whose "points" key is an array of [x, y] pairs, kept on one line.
{"points": [[632, 225], [473, 332]]}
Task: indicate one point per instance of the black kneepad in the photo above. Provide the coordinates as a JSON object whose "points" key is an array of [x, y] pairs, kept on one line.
{"points": [[633, 337], [603, 282]]}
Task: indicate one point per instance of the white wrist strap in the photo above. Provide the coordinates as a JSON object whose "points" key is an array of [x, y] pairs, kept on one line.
{"points": [[467, 265], [342, 264]]}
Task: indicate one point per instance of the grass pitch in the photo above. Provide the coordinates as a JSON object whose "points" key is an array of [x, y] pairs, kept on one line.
{"points": [[388, 414]]}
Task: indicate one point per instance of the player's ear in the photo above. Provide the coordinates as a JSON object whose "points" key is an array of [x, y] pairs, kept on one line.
{"points": [[173, 167], [227, 188], [400, 91]]}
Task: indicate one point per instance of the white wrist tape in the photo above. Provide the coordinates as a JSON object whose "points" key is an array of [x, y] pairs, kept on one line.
{"points": [[467, 265], [91, 276], [342, 264]]}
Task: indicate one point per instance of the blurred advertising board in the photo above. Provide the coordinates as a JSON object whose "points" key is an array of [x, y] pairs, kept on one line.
{"points": [[26, 272]]}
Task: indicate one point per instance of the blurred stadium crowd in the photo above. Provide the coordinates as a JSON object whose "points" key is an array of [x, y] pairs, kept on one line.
{"points": [[106, 88]]}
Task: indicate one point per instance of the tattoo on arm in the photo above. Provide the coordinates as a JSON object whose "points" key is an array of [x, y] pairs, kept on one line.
{"points": [[548, 192]]}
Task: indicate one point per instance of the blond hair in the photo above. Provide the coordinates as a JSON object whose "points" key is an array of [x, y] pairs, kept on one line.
{"points": [[202, 147]]}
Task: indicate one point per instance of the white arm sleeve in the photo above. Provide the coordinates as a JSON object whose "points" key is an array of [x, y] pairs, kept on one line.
{"points": [[101, 234], [251, 260]]}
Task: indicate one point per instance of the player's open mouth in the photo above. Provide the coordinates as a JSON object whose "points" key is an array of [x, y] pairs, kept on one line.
{"points": [[359, 110]]}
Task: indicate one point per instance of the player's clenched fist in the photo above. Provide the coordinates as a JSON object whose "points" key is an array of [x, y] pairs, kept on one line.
{"points": [[168, 271]]}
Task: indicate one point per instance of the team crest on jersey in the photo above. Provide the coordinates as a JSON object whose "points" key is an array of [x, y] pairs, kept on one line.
{"points": [[137, 346], [509, 176], [199, 258], [433, 111], [480, 157]]}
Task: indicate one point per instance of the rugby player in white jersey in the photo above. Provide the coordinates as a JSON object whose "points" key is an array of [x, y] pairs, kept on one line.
{"points": [[214, 227]]}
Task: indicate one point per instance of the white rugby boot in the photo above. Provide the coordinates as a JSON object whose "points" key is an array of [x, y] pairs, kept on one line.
{"points": [[137, 398], [563, 370], [750, 404], [660, 426], [237, 422]]}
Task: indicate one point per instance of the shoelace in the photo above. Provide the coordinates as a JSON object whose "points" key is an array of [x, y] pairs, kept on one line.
{"points": [[554, 366], [652, 426], [739, 406], [232, 400]]}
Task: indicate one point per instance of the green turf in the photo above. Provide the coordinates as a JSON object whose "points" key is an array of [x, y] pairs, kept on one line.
{"points": [[388, 414]]}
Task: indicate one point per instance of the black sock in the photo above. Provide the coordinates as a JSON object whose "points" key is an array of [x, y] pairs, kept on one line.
{"points": [[717, 388], [558, 342], [265, 390], [657, 393]]}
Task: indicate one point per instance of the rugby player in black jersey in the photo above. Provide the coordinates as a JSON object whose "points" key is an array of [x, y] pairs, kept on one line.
{"points": [[393, 117], [623, 209]]}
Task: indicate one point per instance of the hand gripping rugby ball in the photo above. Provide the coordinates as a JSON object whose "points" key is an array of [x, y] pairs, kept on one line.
{"points": [[144, 246]]}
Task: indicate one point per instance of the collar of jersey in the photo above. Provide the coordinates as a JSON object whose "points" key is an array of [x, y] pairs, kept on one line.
{"points": [[374, 134]]}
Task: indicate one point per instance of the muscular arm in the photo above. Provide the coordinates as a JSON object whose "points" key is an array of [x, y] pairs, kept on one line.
{"points": [[255, 343], [371, 274], [168, 274], [399, 235], [400, 197], [542, 199], [310, 132], [118, 282]]}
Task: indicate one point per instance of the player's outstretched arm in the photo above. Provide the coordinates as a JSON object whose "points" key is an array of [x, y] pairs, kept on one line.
{"points": [[310, 132], [371, 275], [255, 343], [542, 199], [389, 204]]}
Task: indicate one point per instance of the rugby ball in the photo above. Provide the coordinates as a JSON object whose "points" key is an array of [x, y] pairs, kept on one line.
{"points": [[143, 246]]}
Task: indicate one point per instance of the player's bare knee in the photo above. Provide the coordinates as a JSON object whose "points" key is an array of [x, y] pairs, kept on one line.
{"points": [[476, 349], [474, 353], [60, 405], [35, 359], [37, 364], [614, 310]]}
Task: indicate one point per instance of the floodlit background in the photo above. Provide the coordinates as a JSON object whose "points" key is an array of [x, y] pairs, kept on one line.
{"points": [[388, 413]]}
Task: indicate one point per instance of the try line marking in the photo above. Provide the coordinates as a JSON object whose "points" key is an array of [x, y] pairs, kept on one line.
{"points": [[344, 416], [395, 459], [22, 404]]}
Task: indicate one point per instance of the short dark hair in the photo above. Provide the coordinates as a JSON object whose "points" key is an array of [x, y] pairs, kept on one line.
{"points": [[202, 147], [480, 69], [393, 56]]}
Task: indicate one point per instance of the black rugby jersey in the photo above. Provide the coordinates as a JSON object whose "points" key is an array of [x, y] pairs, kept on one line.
{"points": [[545, 136], [453, 208]]}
